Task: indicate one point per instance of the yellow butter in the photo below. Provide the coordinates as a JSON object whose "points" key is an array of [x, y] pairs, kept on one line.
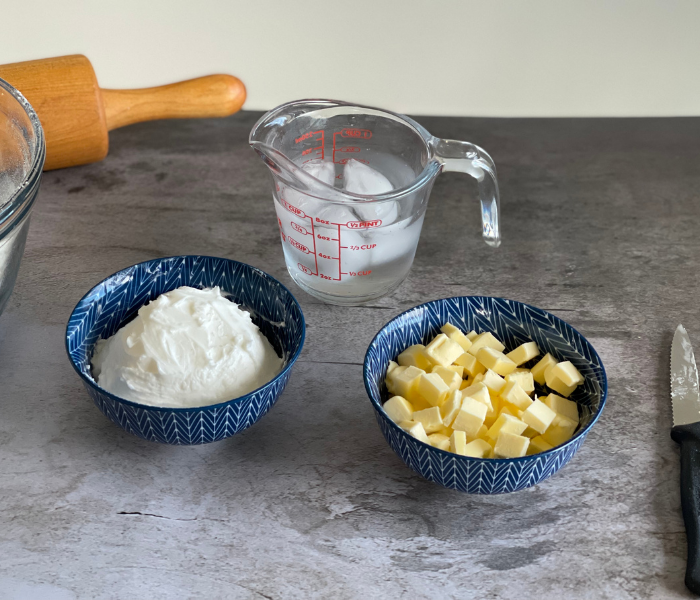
{"points": [[470, 417], [524, 379], [447, 431], [479, 392], [559, 431], [405, 380], [415, 356], [430, 418], [538, 416], [416, 430], [391, 367], [553, 382], [523, 353], [398, 409], [456, 336], [481, 434], [471, 335], [567, 373], [437, 440], [433, 388], [458, 442], [515, 395], [457, 369], [495, 360], [472, 367], [562, 406], [510, 445], [485, 340], [538, 370], [478, 449], [443, 351], [538, 444], [452, 379], [451, 407], [505, 423], [494, 381]]}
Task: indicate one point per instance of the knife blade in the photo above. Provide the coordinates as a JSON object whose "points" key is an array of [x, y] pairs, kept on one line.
{"points": [[685, 403]]}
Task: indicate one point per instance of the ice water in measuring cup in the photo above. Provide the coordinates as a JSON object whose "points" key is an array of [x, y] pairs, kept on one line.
{"points": [[352, 250]]}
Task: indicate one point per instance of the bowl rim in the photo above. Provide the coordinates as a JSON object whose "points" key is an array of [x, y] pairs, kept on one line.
{"points": [[556, 450], [93, 384]]}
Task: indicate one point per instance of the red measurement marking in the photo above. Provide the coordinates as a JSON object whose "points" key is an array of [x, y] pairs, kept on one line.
{"points": [[363, 224], [356, 133], [322, 255], [299, 246], [293, 209], [348, 149], [305, 269], [313, 237], [319, 148], [359, 273], [299, 229], [340, 275], [363, 247]]}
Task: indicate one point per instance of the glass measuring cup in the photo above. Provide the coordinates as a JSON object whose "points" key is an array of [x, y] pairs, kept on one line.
{"points": [[348, 235]]}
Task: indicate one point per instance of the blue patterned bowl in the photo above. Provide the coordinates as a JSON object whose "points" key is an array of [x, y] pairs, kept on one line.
{"points": [[115, 301], [513, 323]]}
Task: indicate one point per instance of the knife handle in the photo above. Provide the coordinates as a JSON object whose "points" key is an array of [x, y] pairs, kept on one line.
{"points": [[688, 436]]}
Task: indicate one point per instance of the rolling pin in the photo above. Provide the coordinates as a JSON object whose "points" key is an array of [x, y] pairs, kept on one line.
{"points": [[77, 114]]}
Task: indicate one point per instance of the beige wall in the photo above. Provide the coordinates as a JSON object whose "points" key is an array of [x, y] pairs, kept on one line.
{"points": [[486, 57]]}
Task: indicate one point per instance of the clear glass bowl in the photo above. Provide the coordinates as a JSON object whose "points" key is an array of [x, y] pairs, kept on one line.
{"points": [[22, 154]]}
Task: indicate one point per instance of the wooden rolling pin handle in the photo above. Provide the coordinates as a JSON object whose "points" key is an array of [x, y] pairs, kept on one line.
{"points": [[210, 96]]}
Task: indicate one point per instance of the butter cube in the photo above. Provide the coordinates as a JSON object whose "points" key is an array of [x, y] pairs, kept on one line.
{"points": [[479, 392], [495, 360], [562, 406], [398, 409], [559, 431], [416, 430], [443, 351], [456, 336], [433, 388], [479, 434], [437, 440], [494, 381], [508, 409], [515, 395], [470, 417], [457, 369], [415, 356], [430, 418], [405, 380], [451, 407], [478, 378], [567, 373], [446, 431], [478, 449], [538, 416], [523, 379], [485, 340], [553, 382], [524, 353], [389, 379], [472, 367], [471, 335], [510, 445], [458, 442], [452, 379], [538, 444], [465, 384], [505, 423], [538, 370], [391, 367]]}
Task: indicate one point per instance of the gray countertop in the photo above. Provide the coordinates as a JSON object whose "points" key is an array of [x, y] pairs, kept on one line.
{"points": [[600, 226]]}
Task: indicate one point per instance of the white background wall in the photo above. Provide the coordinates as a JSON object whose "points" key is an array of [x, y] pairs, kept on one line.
{"points": [[458, 57]]}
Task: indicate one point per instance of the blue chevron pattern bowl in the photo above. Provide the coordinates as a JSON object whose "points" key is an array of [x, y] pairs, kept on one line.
{"points": [[116, 300], [513, 323]]}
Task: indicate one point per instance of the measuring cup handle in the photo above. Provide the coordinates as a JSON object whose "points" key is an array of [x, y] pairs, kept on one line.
{"points": [[464, 157]]}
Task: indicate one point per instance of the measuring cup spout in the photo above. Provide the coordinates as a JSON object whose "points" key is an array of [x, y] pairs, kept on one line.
{"points": [[464, 157]]}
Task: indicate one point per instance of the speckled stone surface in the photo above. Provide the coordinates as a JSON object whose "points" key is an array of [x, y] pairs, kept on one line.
{"points": [[600, 226]]}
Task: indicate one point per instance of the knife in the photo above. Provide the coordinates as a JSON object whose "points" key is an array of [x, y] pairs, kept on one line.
{"points": [[685, 401]]}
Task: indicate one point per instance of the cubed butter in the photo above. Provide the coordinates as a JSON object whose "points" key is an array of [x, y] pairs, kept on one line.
{"points": [[495, 360], [567, 373], [515, 395], [447, 431], [559, 431], [437, 440], [415, 356], [505, 423], [391, 367], [470, 417], [456, 336], [472, 367], [451, 407], [479, 434], [452, 379], [458, 442], [471, 335], [389, 379], [538, 370], [538, 416], [538, 444], [398, 409], [553, 382], [523, 353], [523, 379], [416, 430], [562, 406], [494, 381], [479, 392], [510, 445], [485, 340], [405, 381], [433, 388], [457, 369], [443, 351], [430, 418], [478, 449]]}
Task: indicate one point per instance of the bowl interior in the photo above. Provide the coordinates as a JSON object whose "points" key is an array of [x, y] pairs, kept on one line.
{"points": [[117, 299], [512, 322]]}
